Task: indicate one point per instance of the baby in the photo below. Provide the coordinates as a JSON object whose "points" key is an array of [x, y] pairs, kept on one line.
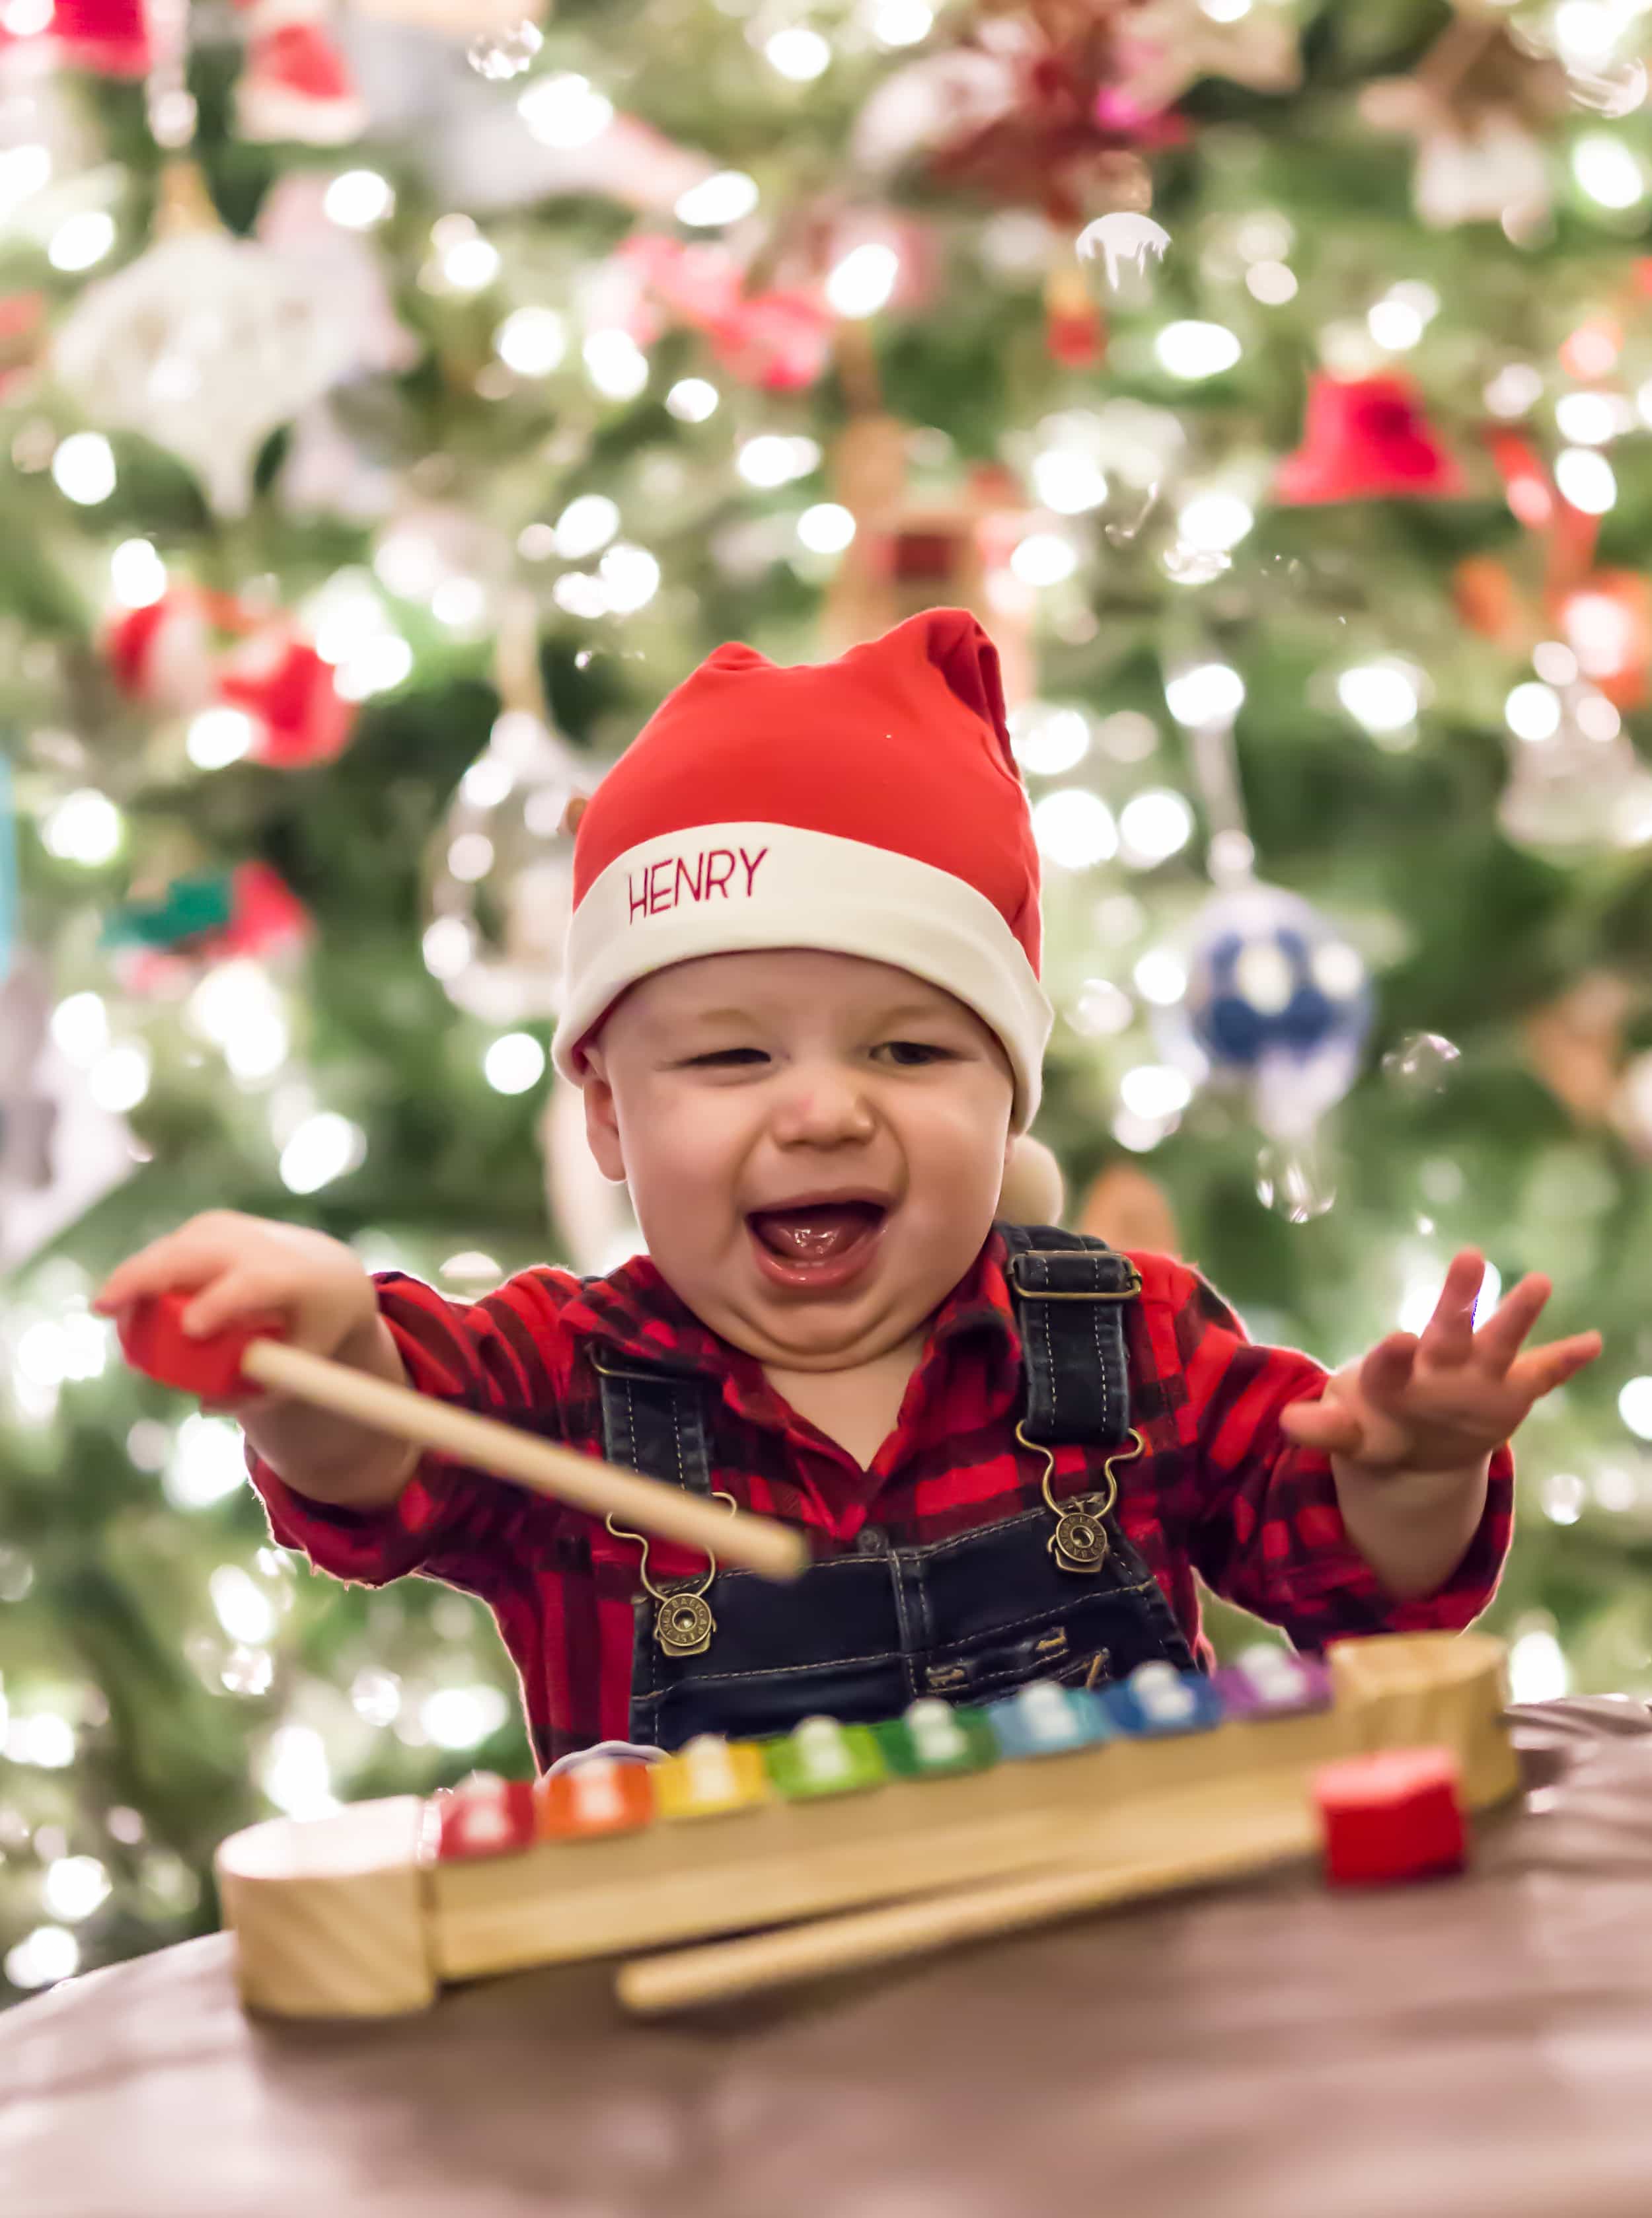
{"points": [[803, 1001]]}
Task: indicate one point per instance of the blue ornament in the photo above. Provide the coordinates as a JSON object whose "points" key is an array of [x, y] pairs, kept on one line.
{"points": [[1279, 1000]]}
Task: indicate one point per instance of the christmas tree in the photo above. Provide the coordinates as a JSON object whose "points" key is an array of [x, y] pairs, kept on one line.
{"points": [[394, 404]]}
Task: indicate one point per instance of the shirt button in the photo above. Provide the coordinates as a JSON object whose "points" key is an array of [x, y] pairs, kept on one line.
{"points": [[872, 1541]]}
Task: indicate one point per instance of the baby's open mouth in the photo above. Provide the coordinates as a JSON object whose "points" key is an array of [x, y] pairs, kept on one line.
{"points": [[819, 1232]]}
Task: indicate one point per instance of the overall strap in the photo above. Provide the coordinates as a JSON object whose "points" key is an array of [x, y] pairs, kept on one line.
{"points": [[653, 1420], [1070, 1293]]}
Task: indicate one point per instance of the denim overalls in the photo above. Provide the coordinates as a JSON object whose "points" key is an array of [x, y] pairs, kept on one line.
{"points": [[1056, 1592]]}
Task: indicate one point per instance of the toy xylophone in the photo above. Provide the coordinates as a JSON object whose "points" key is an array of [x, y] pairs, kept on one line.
{"points": [[1053, 1800]]}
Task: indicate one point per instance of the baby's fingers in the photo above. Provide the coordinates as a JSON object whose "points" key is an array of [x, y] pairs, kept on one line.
{"points": [[236, 1298], [176, 1262], [1545, 1368], [1325, 1425]]}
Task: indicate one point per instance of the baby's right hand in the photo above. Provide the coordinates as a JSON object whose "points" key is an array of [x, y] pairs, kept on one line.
{"points": [[240, 1267]]}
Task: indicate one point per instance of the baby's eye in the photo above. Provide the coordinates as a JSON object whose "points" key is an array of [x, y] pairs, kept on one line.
{"points": [[730, 1056], [912, 1055]]}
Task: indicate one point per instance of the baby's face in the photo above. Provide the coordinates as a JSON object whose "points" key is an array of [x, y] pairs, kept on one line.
{"points": [[814, 1145]]}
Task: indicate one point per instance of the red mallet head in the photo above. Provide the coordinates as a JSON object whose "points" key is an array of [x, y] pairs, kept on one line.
{"points": [[153, 1339]]}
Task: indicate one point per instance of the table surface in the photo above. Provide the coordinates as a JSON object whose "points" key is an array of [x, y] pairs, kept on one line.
{"points": [[1480, 2046]]}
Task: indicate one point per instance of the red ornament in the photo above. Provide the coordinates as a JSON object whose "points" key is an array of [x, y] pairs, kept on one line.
{"points": [[1606, 621], [1075, 333], [281, 682], [1394, 1815], [1366, 438], [296, 84], [780, 339], [108, 37], [266, 920]]}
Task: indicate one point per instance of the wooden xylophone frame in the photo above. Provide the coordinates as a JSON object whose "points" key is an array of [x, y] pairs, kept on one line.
{"points": [[348, 1915]]}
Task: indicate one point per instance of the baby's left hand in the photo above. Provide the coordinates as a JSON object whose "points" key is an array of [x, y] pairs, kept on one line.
{"points": [[1445, 1401]]}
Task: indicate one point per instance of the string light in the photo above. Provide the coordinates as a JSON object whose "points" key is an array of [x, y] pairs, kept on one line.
{"points": [[826, 528], [83, 827], [1635, 1407], [84, 468], [137, 574], [207, 1462], [74, 1887], [1208, 693], [1074, 828], [630, 577], [459, 1716], [586, 524], [1608, 171], [218, 737], [1161, 977], [357, 199], [615, 364], [1586, 479], [1214, 522], [1153, 826], [1191, 350], [1382, 696], [80, 1028], [798, 53], [243, 1608], [691, 400], [726, 197], [42, 1958], [1273, 283], [1537, 1669], [1044, 558], [514, 1062], [325, 1147], [565, 111], [81, 240], [863, 280], [771, 459], [1068, 480], [902, 22], [1533, 712], [296, 1774], [531, 341], [1046, 741]]}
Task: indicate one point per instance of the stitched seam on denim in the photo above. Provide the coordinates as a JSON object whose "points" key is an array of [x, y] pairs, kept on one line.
{"points": [[1021, 1626], [786, 1671]]}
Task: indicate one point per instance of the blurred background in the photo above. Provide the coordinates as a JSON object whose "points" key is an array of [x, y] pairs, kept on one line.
{"points": [[396, 399]]}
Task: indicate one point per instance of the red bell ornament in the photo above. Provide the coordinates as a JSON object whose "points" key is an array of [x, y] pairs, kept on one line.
{"points": [[1366, 438]]}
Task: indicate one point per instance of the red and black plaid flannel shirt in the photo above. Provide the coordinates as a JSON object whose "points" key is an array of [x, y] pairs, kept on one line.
{"points": [[1219, 1490]]}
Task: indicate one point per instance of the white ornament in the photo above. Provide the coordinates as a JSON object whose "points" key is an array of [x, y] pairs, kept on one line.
{"points": [[1120, 237], [205, 345]]}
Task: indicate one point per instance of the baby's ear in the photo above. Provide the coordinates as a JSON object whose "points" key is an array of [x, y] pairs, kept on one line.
{"points": [[601, 1119]]}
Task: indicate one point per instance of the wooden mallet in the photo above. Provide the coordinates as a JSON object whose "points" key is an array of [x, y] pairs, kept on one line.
{"points": [[221, 1366]]}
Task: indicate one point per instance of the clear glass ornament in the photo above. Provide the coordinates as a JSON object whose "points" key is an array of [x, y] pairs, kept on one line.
{"points": [[205, 345], [500, 877], [1579, 790]]}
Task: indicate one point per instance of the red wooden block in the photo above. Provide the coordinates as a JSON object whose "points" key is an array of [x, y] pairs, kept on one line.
{"points": [[1394, 1815], [152, 1339], [595, 1798], [485, 1817]]}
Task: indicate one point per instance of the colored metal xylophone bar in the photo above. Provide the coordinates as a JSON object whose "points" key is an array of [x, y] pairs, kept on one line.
{"points": [[1053, 1800]]}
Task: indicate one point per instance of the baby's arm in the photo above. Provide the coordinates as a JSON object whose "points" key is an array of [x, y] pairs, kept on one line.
{"points": [[240, 1268]]}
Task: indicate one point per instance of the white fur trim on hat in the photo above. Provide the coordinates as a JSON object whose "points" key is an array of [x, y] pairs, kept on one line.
{"points": [[728, 889]]}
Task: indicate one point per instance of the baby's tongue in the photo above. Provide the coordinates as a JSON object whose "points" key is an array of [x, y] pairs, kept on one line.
{"points": [[816, 1234]]}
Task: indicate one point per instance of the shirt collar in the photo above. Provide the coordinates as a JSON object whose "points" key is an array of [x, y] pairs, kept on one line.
{"points": [[637, 1313]]}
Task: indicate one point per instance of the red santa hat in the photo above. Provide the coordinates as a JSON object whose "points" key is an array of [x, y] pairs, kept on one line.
{"points": [[869, 805]]}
